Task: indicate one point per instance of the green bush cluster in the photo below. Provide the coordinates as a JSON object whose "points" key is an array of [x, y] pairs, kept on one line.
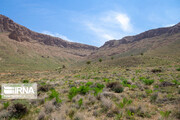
{"points": [[80, 102], [165, 114], [178, 69], [55, 94], [146, 81], [6, 104], [85, 89], [115, 86], [124, 102], [25, 81]]}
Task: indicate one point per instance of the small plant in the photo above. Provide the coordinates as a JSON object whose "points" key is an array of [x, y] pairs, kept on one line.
{"points": [[100, 60], [165, 114], [112, 58], [142, 54], [176, 82], [80, 102], [88, 62], [106, 80], [99, 87], [83, 90], [55, 94], [161, 80], [6, 104], [178, 69], [89, 84], [73, 92], [115, 86], [154, 97], [147, 81], [25, 81], [130, 114], [124, 102], [148, 92], [59, 69], [119, 116]]}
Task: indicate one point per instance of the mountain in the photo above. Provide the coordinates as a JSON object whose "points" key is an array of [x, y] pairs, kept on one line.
{"points": [[21, 48], [21, 33], [143, 42]]}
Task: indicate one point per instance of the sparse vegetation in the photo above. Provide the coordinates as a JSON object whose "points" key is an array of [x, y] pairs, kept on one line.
{"points": [[115, 86], [146, 81], [165, 114]]}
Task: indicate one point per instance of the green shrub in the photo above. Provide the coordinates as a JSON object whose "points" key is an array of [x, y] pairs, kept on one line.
{"points": [[88, 62], [146, 81], [106, 80], [119, 116], [124, 102], [73, 92], [176, 82], [6, 104], [99, 87], [25, 81], [178, 69], [112, 58], [100, 60], [115, 86], [148, 92], [80, 102], [154, 97], [89, 84], [83, 90], [55, 94], [165, 114]]}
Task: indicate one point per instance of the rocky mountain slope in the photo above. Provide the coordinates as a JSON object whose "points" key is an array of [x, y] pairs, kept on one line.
{"points": [[140, 43], [21, 33]]}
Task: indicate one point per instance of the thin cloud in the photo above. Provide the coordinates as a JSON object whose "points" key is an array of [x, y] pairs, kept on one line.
{"points": [[109, 25], [56, 35]]}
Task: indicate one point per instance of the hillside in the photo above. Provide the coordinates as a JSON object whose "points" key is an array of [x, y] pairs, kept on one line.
{"points": [[23, 49], [143, 42]]}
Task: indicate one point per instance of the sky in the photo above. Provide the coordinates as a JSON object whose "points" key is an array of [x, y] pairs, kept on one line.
{"points": [[92, 22]]}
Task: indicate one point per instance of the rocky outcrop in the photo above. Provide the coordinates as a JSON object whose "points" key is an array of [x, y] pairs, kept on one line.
{"points": [[21, 33], [148, 34]]}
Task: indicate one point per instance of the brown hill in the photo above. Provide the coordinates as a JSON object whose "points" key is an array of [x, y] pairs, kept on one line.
{"points": [[21, 33], [140, 43]]}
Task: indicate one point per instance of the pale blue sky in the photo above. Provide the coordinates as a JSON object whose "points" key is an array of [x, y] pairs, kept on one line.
{"points": [[92, 22]]}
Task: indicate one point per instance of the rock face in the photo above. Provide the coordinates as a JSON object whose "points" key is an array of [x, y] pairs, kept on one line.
{"points": [[21, 33], [147, 34]]}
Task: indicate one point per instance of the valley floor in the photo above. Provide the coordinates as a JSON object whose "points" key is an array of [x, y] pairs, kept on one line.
{"points": [[99, 91]]}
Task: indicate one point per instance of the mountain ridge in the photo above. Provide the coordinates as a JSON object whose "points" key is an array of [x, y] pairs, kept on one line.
{"points": [[147, 34], [21, 33]]}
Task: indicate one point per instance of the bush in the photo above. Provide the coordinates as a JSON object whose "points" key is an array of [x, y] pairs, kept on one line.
{"points": [[99, 87], [83, 90], [6, 104], [80, 102], [154, 97], [124, 102], [88, 62], [115, 86], [147, 81], [55, 94], [25, 81], [165, 114], [100, 60], [19, 110], [178, 69], [73, 92], [156, 70], [89, 84]]}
